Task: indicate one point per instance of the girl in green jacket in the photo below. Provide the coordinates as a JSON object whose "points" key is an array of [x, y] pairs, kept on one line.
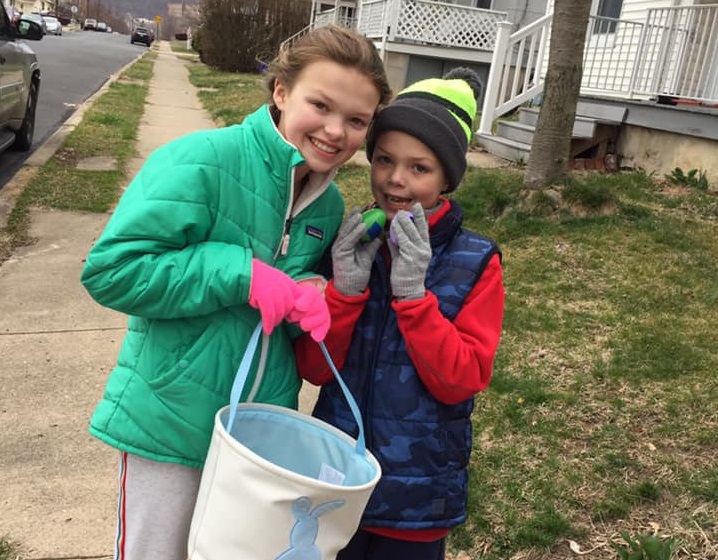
{"points": [[219, 230]]}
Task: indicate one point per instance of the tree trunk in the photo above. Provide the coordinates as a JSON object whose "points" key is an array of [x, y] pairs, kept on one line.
{"points": [[551, 149]]}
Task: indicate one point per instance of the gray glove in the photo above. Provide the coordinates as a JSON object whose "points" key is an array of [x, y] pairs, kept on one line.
{"points": [[410, 255], [351, 259]]}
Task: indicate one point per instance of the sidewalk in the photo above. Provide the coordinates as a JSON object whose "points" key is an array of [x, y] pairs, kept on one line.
{"points": [[58, 484]]}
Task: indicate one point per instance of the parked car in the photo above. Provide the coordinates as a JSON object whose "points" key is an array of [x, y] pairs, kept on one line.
{"points": [[101, 26], [37, 18], [19, 81], [89, 24], [53, 25], [141, 35], [62, 18]]}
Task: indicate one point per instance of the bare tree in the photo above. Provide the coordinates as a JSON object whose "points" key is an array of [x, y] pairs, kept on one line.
{"points": [[551, 148]]}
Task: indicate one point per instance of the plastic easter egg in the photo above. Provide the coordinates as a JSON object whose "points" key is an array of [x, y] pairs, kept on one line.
{"points": [[375, 220], [392, 237]]}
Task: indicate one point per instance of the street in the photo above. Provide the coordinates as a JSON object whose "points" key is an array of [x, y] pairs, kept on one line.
{"points": [[73, 66]]}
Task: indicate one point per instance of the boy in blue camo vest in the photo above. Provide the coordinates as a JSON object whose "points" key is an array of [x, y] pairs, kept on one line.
{"points": [[416, 321]]}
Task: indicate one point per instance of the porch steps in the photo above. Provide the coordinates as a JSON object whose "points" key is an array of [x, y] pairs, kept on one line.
{"points": [[584, 126], [512, 139], [504, 148]]}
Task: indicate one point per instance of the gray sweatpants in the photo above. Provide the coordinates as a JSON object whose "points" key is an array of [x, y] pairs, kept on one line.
{"points": [[154, 509]]}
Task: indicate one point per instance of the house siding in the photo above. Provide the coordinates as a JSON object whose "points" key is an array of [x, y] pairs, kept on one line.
{"points": [[521, 12]]}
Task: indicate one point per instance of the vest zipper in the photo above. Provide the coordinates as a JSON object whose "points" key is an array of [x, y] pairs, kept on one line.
{"points": [[366, 413]]}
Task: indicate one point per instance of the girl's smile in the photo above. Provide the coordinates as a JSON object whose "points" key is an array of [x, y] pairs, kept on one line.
{"points": [[326, 114]]}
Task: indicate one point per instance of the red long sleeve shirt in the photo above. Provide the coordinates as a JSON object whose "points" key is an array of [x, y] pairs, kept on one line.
{"points": [[454, 359]]}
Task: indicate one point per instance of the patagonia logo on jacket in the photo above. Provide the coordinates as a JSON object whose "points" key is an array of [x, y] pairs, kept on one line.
{"points": [[311, 231]]}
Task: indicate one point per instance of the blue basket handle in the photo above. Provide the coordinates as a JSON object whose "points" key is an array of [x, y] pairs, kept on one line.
{"points": [[361, 445], [240, 377], [243, 371]]}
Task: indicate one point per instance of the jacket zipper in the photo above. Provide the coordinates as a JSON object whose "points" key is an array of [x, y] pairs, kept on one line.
{"points": [[284, 244], [285, 236]]}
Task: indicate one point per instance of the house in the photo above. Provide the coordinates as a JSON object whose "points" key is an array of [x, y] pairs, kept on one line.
{"points": [[650, 84], [28, 6], [421, 39], [649, 92]]}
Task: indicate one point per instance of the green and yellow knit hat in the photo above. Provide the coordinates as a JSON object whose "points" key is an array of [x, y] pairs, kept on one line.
{"points": [[439, 112]]}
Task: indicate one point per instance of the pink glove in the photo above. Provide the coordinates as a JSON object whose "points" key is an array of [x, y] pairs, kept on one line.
{"points": [[272, 292], [310, 311]]}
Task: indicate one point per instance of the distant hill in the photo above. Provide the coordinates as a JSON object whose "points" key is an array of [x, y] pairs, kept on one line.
{"points": [[143, 8]]}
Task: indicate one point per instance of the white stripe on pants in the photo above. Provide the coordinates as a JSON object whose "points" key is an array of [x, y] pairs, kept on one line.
{"points": [[155, 504]]}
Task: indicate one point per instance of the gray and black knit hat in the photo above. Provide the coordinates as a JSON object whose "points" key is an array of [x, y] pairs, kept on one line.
{"points": [[440, 113]]}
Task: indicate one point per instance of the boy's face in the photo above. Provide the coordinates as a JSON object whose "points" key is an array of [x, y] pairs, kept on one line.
{"points": [[405, 171], [326, 113]]}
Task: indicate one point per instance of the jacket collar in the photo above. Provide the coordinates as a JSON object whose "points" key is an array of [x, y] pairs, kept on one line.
{"points": [[283, 157], [447, 224]]}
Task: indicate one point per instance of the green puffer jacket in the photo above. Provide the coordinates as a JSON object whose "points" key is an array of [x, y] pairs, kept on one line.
{"points": [[176, 257]]}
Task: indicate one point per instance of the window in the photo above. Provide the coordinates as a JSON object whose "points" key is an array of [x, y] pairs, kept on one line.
{"points": [[484, 4], [607, 9]]}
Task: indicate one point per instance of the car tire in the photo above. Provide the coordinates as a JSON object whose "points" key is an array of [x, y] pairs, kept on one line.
{"points": [[23, 137]]}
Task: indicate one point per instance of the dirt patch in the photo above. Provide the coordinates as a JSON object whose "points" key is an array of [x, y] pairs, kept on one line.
{"points": [[8, 195], [11, 190], [673, 190]]}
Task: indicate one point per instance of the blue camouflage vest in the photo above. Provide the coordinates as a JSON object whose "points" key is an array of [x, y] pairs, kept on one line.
{"points": [[422, 445]]}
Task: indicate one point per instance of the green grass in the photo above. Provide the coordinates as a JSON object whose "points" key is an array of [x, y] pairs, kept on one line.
{"points": [[108, 129], [8, 550], [228, 97], [601, 418]]}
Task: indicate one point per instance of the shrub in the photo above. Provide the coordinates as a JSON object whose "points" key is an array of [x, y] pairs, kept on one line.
{"points": [[236, 31]]}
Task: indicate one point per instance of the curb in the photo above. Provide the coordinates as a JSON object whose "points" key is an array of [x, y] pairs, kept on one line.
{"points": [[54, 142]]}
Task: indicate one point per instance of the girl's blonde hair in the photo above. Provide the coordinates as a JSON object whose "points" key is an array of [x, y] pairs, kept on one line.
{"points": [[335, 44]]}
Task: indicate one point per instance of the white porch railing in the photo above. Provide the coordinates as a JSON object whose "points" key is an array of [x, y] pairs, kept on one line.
{"points": [[674, 52], [609, 56], [518, 58], [436, 23], [424, 22], [334, 16], [679, 53], [323, 18], [374, 18], [289, 41]]}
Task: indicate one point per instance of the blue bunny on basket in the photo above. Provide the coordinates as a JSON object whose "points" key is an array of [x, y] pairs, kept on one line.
{"points": [[305, 530]]}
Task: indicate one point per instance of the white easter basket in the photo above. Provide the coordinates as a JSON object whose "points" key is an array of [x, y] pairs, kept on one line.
{"points": [[278, 484]]}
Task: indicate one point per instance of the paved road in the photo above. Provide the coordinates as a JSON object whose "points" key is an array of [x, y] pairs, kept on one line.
{"points": [[73, 67]]}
